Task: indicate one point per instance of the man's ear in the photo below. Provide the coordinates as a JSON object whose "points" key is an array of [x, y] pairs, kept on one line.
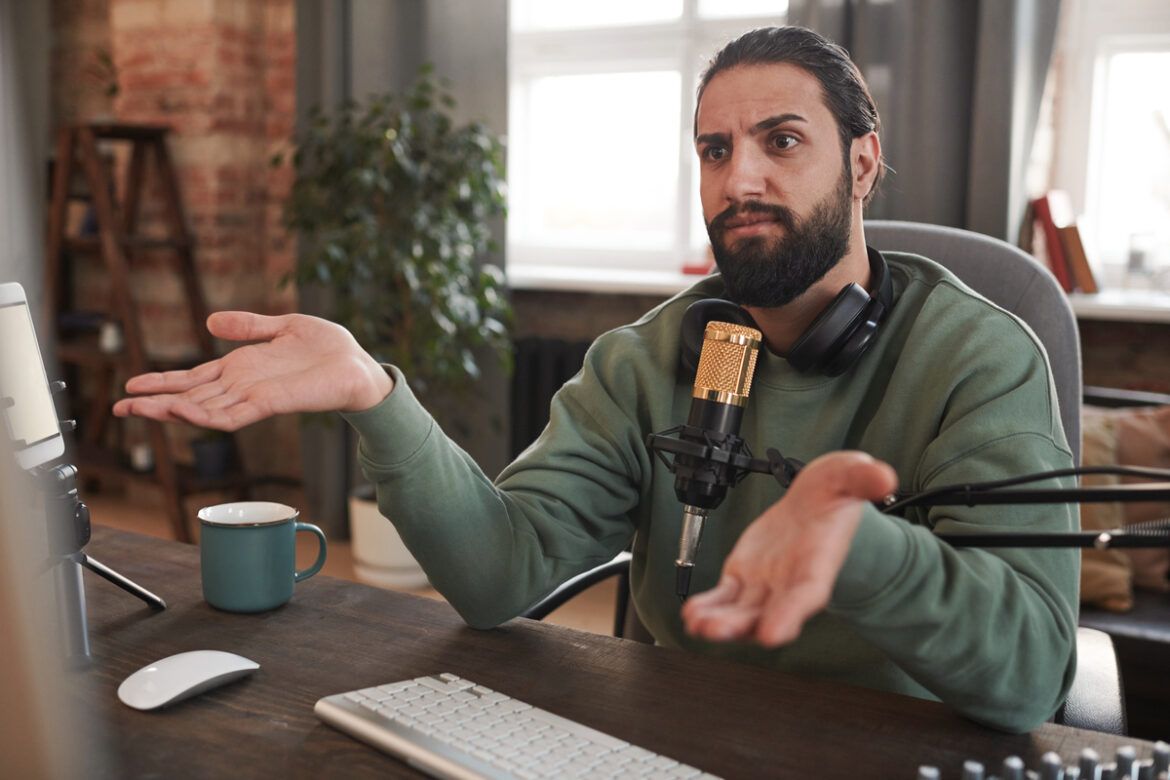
{"points": [[865, 155]]}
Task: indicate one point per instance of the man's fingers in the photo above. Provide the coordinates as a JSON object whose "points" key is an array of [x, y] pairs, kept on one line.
{"points": [[785, 612], [150, 408], [847, 474], [204, 393], [246, 326], [230, 418], [727, 590], [871, 479], [174, 381], [170, 408], [724, 622], [224, 401]]}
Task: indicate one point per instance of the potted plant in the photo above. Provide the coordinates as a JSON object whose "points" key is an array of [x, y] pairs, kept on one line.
{"points": [[391, 202]]}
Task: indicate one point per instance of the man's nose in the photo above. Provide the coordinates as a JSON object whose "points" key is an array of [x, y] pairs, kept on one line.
{"points": [[745, 176]]}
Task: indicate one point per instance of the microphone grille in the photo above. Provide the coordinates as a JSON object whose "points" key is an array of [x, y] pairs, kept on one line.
{"points": [[727, 361]]}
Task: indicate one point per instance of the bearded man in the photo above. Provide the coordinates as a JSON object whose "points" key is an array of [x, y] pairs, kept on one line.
{"points": [[812, 579]]}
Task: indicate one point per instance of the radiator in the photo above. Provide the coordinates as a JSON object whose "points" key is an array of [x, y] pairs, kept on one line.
{"points": [[541, 367]]}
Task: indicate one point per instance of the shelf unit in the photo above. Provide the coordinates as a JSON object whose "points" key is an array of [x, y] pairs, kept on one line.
{"points": [[116, 245]]}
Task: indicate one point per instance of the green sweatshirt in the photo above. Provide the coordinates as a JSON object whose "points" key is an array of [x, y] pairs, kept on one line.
{"points": [[952, 390]]}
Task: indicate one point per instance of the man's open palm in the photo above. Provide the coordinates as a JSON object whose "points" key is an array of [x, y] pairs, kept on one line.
{"points": [[783, 568], [298, 364]]}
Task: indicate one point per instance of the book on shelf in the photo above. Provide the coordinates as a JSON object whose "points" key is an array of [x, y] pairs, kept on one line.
{"points": [[1078, 261], [1026, 238], [1053, 211]]}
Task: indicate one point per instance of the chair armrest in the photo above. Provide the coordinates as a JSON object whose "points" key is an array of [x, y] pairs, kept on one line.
{"points": [[619, 566], [1114, 397], [1095, 701]]}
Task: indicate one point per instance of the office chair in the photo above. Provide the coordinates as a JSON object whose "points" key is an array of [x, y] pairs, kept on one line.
{"points": [[1015, 281]]}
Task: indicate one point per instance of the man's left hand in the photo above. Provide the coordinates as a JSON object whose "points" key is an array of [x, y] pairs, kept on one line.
{"points": [[782, 570]]}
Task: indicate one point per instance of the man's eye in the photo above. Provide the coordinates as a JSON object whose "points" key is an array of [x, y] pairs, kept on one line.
{"points": [[714, 153], [782, 141]]}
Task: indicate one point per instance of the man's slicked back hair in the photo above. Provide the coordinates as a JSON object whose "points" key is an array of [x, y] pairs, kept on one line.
{"points": [[845, 92]]}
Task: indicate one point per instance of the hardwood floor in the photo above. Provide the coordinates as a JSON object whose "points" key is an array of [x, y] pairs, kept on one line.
{"points": [[591, 611]]}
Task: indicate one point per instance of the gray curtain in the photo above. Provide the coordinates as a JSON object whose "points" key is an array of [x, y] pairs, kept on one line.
{"points": [[958, 86], [24, 134]]}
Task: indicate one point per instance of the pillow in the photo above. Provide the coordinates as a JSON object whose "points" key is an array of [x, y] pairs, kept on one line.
{"points": [[1131, 437], [1106, 575], [1143, 439]]}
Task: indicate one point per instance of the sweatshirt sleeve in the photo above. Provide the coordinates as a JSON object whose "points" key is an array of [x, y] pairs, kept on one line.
{"points": [[990, 631], [494, 549]]}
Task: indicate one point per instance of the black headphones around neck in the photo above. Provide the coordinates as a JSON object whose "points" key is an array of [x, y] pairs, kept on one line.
{"points": [[834, 341]]}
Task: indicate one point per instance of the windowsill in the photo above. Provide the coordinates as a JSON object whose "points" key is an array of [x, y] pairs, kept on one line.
{"points": [[1121, 305], [1115, 304], [610, 280]]}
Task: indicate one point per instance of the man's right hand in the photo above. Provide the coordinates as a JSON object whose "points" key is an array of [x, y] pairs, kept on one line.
{"points": [[299, 364]]}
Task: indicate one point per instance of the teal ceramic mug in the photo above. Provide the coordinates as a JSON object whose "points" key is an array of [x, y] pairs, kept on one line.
{"points": [[247, 552]]}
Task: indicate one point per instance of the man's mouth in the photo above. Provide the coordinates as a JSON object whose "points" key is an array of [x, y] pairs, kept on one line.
{"points": [[748, 220], [751, 219]]}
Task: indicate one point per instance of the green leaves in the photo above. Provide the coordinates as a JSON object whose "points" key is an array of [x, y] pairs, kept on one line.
{"points": [[392, 202]]}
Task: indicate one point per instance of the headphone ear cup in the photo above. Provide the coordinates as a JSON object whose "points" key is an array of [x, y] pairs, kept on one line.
{"points": [[822, 341], [694, 323], [853, 348]]}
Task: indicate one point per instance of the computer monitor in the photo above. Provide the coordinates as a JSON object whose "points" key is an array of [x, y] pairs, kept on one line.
{"points": [[26, 404]]}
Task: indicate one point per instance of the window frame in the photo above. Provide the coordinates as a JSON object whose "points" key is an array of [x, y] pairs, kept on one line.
{"points": [[1095, 30], [682, 45]]}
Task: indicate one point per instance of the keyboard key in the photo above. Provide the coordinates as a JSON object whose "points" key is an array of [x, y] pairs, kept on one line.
{"points": [[439, 686], [393, 688]]}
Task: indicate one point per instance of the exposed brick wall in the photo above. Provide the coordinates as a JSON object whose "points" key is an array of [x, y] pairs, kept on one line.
{"points": [[1127, 355], [81, 35], [221, 74]]}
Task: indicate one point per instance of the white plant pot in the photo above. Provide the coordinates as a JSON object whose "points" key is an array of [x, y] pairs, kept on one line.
{"points": [[379, 556]]}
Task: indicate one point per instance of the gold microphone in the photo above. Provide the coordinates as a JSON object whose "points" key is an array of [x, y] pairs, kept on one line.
{"points": [[723, 380]]}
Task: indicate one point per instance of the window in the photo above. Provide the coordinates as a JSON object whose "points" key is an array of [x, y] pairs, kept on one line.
{"points": [[601, 174], [1113, 135], [1128, 192]]}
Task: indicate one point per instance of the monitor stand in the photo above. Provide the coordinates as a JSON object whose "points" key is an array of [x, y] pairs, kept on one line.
{"points": [[69, 532]]}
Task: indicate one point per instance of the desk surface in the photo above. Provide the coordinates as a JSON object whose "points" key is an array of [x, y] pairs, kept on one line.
{"points": [[728, 718]]}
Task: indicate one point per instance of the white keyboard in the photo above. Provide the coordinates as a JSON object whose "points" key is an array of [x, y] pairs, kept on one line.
{"points": [[452, 728]]}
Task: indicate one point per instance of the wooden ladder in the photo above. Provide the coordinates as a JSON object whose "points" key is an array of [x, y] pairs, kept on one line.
{"points": [[116, 243]]}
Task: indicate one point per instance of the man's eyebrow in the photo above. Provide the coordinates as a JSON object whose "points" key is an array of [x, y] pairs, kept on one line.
{"points": [[774, 121], [762, 126], [712, 138]]}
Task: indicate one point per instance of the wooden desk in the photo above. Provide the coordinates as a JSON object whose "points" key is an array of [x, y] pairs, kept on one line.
{"points": [[728, 718]]}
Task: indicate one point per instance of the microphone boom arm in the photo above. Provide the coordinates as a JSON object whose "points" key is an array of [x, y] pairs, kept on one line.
{"points": [[733, 452]]}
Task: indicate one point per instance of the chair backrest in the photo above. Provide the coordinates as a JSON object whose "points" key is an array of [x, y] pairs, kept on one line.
{"points": [[1012, 279]]}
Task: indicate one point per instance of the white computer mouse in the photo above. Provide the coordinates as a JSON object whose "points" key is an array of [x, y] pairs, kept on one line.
{"points": [[181, 676]]}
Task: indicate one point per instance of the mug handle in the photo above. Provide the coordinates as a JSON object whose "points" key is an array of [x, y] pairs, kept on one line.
{"points": [[316, 567]]}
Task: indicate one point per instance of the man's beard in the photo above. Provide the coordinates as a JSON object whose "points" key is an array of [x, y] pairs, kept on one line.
{"points": [[765, 272]]}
